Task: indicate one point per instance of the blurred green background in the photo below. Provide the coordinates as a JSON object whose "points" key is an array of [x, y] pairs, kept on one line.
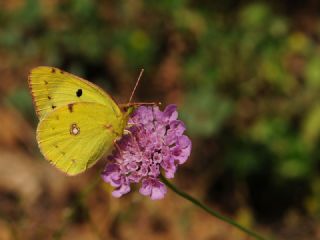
{"points": [[246, 78]]}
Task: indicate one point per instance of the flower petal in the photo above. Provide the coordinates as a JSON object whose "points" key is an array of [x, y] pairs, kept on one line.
{"points": [[170, 112], [154, 188], [169, 168], [146, 187], [182, 150], [121, 191], [112, 174], [158, 191]]}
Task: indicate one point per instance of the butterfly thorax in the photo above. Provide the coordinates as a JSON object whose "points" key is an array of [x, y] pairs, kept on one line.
{"points": [[127, 110]]}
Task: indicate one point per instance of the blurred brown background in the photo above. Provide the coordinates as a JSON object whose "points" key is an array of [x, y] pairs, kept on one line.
{"points": [[246, 78]]}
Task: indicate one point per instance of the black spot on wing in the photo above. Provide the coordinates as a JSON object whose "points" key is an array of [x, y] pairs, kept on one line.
{"points": [[70, 107], [53, 70], [79, 93], [53, 106]]}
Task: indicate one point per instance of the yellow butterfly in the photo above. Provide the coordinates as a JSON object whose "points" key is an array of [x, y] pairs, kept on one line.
{"points": [[79, 122]]}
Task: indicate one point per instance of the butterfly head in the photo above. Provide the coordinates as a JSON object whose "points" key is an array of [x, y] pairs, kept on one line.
{"points": [[128, 109]]}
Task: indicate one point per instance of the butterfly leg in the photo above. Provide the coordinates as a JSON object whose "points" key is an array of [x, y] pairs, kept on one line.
{"points": [[127, 132], [117, 147]]}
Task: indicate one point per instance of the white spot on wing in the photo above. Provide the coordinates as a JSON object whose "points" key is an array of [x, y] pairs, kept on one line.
{"points": [[74, 129]]}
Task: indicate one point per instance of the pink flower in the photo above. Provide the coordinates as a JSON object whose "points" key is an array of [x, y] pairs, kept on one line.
{"points": [[156, 143]]}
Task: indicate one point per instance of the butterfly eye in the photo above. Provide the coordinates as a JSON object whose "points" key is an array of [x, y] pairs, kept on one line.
{"points": [[79, 93]]}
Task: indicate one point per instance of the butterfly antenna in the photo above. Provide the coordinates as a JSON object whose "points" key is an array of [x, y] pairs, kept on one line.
{"points": [[135, 87]]}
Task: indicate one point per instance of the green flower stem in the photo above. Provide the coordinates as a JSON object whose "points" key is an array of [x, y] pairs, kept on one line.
{"points": [[209, 210]]}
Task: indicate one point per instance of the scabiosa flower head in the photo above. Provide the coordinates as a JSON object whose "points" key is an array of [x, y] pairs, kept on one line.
{"points": [[156, 142]]}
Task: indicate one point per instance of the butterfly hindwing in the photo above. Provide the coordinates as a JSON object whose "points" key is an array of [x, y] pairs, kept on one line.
{"points": [[73, 137], [51, 88]]}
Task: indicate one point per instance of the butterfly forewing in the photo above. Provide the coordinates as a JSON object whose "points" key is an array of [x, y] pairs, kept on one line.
{"points": [[51, 88]]}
